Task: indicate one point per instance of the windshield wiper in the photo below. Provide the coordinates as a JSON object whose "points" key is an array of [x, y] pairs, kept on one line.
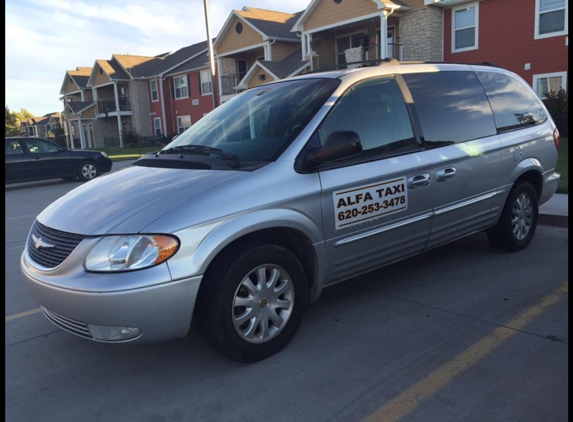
{"points": [[203, 150]]}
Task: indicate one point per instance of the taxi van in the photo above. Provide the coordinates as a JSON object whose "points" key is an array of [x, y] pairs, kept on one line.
{"points": [[290, 187]]}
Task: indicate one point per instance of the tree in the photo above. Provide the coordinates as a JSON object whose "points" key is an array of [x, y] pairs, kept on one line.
{"points": [[12, 123], [24, 114]]}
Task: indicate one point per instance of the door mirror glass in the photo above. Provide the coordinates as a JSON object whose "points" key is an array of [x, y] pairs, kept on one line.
{"points": [[339, 144]]}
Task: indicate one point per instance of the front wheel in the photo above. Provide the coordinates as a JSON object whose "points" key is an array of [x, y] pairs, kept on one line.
{"points": [[88, 170], [518, 221], [252, 303]]}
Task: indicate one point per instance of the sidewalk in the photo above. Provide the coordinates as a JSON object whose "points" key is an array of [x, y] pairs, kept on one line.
{"points": [[555, 212]]}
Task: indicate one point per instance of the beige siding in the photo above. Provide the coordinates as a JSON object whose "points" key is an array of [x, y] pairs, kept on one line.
{"points": [[88, 95], [90, 113], [325, 53], [233, 41], [255, 79], [100, 78], [105, 92], [281, 50], [70, 85], [327, 12], [414, 4]]}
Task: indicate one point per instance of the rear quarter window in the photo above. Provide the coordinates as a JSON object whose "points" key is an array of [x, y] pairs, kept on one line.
{"points": [[452, 106], [514, 104]]}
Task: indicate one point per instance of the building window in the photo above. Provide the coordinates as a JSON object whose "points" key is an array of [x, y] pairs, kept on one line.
{"points": [[206, 84], [154, 93], [465, 28], [181, 87], [183, 123], [157, 126], [550, 18], [546, 82]]}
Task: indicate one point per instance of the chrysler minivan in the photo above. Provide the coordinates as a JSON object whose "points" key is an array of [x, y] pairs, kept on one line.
{"points": [[288, 188]]}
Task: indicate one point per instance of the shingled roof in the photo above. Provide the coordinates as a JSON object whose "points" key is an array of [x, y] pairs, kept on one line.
{"points": [[271, 23], [79, 106], [113, 69], [161, 64], [286, 66], [202, 60], [80, 76]]}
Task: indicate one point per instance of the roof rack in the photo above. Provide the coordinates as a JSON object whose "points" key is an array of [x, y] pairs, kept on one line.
{"points": [[391, 62]]}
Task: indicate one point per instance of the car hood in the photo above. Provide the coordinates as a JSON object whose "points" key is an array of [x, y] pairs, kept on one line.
{"points": [[128, 200]]}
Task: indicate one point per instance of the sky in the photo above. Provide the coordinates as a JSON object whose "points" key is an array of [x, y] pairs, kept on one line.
{"points": [[45, 38]]}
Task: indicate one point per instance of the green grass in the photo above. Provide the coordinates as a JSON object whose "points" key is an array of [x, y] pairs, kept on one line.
{"points": [[122, 154], [563, 166]]}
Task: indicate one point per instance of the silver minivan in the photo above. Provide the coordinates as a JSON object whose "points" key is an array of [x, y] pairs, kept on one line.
{"points": [[288, 188]]}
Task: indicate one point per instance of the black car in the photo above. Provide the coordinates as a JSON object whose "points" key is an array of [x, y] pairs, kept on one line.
{"points": [[30, 159]]}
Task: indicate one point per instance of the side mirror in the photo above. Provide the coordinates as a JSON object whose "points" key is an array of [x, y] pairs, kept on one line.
{"points": [[60, 149], [340, 144]]}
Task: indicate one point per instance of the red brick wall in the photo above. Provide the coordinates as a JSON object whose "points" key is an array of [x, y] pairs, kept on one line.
{"points": [[506, 39]]}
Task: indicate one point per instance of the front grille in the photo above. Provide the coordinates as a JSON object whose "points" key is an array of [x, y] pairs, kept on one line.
{"points": [[62, 245], [67, 324]]}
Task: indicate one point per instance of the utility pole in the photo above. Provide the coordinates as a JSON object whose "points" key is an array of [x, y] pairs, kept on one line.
{"points": [[211, 55]]}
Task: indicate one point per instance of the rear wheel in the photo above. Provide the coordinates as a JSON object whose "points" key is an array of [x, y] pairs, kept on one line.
{"points": [[518, 221], [87, 170], [252, 303]]}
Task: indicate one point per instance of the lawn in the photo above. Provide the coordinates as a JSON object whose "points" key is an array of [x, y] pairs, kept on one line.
{"points": [[563, 166], [121, 154]]}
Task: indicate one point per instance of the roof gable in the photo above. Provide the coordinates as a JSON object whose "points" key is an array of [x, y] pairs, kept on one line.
{"points": [[310, 10]]}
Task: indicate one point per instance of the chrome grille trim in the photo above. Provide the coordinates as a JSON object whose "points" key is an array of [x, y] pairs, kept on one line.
{"points": [[64, 243], [67, 324]]}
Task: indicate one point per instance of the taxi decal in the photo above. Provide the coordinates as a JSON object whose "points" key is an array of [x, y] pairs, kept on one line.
{"points": [[364, 203]]}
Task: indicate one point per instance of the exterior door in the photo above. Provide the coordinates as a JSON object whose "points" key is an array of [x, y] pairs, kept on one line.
{"points": [[377, 207], [459, 131], [390, 44], [47, 160], [17, 162]]}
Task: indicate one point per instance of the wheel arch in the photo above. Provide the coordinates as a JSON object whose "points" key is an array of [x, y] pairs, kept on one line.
{"points": [[286, 228], [529, 170]]}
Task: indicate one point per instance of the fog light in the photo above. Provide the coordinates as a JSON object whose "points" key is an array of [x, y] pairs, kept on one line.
{"points": [[100, 332]]}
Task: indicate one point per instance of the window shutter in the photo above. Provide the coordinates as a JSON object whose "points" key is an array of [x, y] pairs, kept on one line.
{"points": [[199, 78], [173, 87]]}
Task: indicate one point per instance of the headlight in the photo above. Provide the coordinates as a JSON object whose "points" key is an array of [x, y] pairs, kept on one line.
{"points": [[104, 154], [130, 252]]}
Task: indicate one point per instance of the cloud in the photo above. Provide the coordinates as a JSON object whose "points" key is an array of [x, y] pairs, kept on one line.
{"points": [[44, 39]]}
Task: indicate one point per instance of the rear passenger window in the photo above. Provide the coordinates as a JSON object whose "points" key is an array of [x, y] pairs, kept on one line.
{"points": [[514, 105], [376, 111], [452, 106]]}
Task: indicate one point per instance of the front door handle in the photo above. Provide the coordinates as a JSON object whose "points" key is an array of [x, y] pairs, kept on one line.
{"points": [[445, 174], [35, 157], [419, 181]]}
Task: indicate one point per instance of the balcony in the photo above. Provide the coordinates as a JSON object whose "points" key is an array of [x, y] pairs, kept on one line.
{"points": [[107, 105], [372, 52], [229, 82]]}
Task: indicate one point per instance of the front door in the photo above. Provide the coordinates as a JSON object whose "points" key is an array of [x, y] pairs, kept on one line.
{"points": [[377, 207]]}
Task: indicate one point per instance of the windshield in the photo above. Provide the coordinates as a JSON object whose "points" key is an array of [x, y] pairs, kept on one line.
{"points": [[257, 125]]}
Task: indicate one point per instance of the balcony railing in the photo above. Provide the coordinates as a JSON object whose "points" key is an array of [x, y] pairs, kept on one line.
{"points": [[372, 52], [107, 105]]}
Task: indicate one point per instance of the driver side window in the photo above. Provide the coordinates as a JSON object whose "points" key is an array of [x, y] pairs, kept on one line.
{"points": [[376, 111], [37, 146]]}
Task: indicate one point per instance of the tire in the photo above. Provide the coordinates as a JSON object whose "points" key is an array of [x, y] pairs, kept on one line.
{"points": [[87, 170], [251, 333], [518, 221]]}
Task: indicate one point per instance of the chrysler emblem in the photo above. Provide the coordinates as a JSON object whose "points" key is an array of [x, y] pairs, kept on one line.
{"points": [[39, 243]]}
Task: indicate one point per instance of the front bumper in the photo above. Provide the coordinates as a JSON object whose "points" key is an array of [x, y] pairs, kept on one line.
{"points": [[161, 311]]}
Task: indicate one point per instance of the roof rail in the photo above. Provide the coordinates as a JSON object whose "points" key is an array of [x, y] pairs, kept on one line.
{"points": [[390, 62]]}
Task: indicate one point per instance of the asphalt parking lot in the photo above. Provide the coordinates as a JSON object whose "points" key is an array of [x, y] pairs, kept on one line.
{"points": [[461, 333]]}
